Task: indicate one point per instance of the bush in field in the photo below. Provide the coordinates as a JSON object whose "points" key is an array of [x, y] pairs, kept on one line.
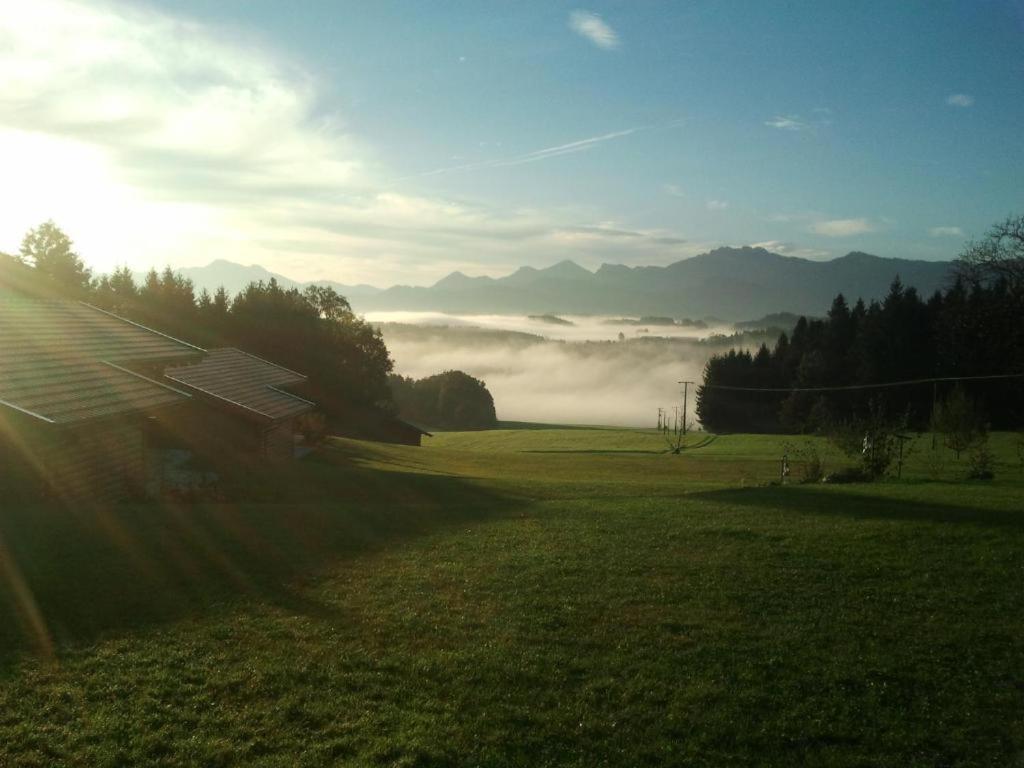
{"points": [[981, 462], [874, 440], [810, 466], [959, 422]]}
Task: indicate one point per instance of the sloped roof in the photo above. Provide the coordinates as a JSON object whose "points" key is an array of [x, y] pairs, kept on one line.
{"points": [[67, 330], [62, 362], [403, 424], [247, 382]]}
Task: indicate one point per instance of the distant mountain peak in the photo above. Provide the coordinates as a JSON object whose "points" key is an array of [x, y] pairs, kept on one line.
{"points": [[727, 282], [567, 268], [742, 252], [459, 279], [234, 277]]}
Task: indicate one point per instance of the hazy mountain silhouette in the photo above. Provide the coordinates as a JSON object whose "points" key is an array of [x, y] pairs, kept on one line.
{"points": [[234, 277], [729, 283]]}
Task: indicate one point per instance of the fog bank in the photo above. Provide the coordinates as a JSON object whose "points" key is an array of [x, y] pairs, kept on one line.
{"points": [[576, 327], [549, 379]]}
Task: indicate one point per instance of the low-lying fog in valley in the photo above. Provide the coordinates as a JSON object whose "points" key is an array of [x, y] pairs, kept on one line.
{"points": [[565, 369], [561, 327]]}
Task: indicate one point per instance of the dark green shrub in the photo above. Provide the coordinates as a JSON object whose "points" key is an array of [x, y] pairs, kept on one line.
{"points": [[981, 464]]}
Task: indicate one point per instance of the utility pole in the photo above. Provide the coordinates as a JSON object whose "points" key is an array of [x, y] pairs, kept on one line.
{"points": [[935, 400], [899, 467], [686, 398], [680, 424]]}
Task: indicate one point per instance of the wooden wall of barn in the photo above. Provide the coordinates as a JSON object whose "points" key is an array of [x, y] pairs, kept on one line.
{"points": [[218, 435], [214, 434], [101, 461], [19, 479], [279, 441]]}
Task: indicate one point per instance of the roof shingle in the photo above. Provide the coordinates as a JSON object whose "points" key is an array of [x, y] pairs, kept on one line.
{"points": [[61, 362], [243, 380]]}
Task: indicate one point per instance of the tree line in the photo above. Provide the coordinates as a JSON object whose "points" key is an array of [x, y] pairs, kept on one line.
{"points": [[451, 400], [972, 328]]}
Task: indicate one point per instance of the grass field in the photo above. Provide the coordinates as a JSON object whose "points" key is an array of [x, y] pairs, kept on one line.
{"points": [[526, 597]]}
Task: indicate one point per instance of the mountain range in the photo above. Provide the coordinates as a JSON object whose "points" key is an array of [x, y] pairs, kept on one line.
{"points": [[726, 283]]}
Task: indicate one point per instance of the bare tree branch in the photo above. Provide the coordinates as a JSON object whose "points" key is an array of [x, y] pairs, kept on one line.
{"points": [[999, 255]]}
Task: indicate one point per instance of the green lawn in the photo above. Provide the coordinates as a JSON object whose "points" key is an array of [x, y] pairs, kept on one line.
{"points": [[526, 597]]}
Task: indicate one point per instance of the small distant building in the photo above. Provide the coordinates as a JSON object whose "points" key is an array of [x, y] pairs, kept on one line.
{"points": [[242, 408], [376, 425], [78, 387], [395, 430]]}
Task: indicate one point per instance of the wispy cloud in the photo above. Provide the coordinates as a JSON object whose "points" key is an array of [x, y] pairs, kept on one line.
{"points": [[785, 248], [580, 145], [843, 227], [960, 100], [717, 205], [822, 119], [610, 231], [593, 28], [946, 232], [673, 190], [787, 123]]}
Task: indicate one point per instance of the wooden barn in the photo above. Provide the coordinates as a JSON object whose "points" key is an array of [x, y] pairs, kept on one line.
{"points": [[375, 425], [391, 429], [77, 389], [242, 408]]}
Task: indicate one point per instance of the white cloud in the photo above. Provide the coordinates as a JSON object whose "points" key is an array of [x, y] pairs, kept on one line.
{"points": [[154, 140], [946, 232], [614, 234], [787, 123], [580, 145], [822, 119], [717, 205], [960, 100], [843, 227], [791, 249], [593, 28], [673, 190]]}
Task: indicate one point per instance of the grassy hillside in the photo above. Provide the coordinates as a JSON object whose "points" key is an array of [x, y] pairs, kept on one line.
{"points": [[525, 597]]}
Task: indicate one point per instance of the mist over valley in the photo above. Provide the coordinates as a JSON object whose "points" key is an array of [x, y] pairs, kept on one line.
{"points": [[582, 373], [565, 344]]}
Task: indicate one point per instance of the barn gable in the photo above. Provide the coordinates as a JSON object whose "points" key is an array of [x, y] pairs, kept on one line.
{"points": [[251, 410], [72, 397]]}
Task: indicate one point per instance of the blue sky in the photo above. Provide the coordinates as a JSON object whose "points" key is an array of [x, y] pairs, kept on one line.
{"points": [[395, 141]]}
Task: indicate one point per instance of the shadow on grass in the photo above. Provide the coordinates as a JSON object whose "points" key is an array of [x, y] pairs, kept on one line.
{"points": [[70, 574], [815, 501], [702, 443], [599, 451], [530, 425]]}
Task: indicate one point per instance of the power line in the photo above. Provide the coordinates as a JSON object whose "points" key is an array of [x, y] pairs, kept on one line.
{"points": [[850, 387]]}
